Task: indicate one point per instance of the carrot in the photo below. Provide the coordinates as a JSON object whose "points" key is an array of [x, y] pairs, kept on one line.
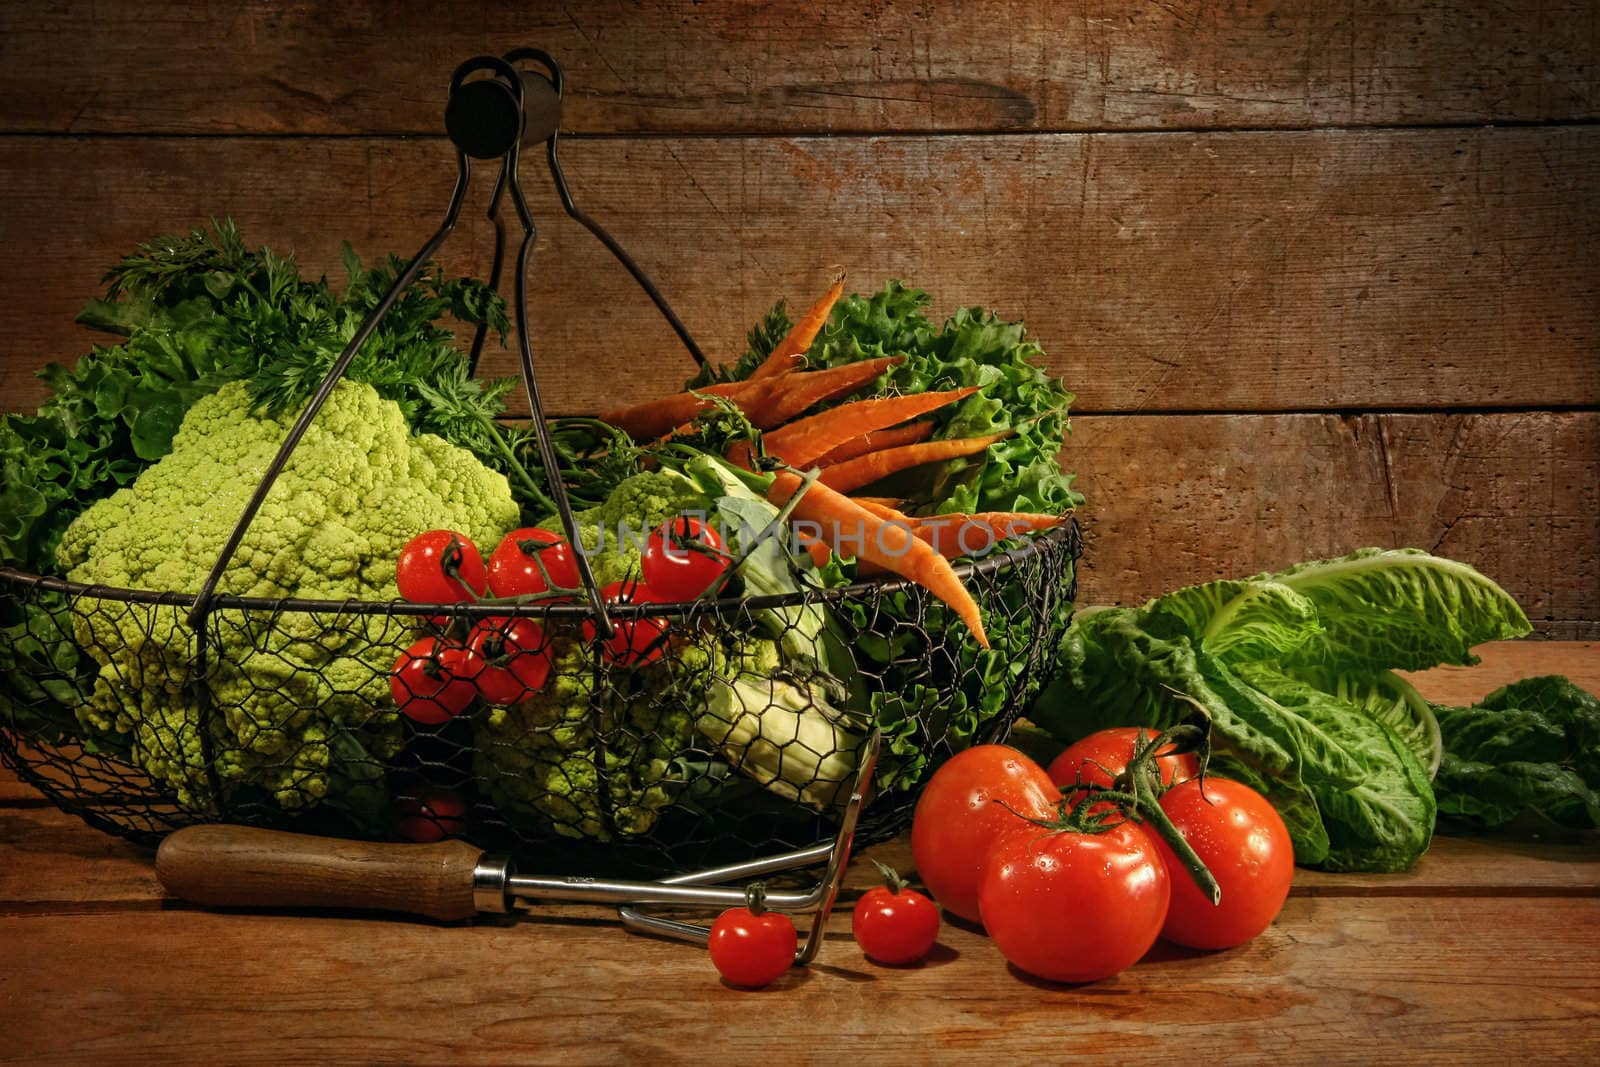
{"points": [[788, 353], [882, 510], [888, 544], [953, 536], [852, 474], [867, 502], [802, 443], [956, 535], [909, 434], [654, 418], [815, 546], [803, 389]]}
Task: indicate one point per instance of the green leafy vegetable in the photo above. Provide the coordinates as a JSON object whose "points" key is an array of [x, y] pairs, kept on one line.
{"points": [[972, 348], [1295, 671], [195, 312], [1531, 746]]}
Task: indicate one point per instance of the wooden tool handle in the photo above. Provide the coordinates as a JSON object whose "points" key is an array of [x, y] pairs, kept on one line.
{"points": [[240, 866]]}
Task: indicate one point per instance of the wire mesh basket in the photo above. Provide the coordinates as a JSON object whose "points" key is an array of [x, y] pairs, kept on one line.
{"points": [[278, 713]]}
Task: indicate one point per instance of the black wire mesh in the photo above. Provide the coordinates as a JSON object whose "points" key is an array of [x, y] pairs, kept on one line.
{"points": [[718, 742]]}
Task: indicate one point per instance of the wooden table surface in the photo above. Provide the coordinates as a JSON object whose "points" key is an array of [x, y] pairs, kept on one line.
{"points": [[1486, 948]]}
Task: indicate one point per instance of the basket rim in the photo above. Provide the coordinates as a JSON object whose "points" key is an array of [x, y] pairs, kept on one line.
{"points": [[1067, 534]]}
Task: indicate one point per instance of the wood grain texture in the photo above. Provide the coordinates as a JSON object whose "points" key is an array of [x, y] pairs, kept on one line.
{"points": [[247, 867], [1286, 271], [676, 65], [1406, 968], [1334, 978], [1176, 500]]}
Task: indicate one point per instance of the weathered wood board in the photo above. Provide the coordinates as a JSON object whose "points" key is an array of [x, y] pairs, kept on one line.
{"points": [[677, 65], [1180, 499], [1168, 272]]}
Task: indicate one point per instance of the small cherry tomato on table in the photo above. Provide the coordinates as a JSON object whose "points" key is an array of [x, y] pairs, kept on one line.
{"points": [[752, 947], [532, 560], [431, 815], [633, 642], [1242, 840], [1073, 906], [516, 658], [432, 681], [894, 924], [683, 558], [963, 811], [1100, 757]]}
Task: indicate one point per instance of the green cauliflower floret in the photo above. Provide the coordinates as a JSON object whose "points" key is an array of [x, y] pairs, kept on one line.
{"points": [[301, 701], [613, 533], [595, 768]]}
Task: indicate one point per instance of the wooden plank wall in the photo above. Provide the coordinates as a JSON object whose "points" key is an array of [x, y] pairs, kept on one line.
{"points": [[1321, 275]]}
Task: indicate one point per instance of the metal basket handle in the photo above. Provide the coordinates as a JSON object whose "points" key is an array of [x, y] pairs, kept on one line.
{"points": [[486, 118]]}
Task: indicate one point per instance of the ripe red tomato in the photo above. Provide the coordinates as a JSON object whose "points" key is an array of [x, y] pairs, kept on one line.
{"points": [[1074, 907], [752, 950], [682, 559], [1103, 755], [895, 925], [1242, 839], [633, 642], [515, 655], [440, 567], [515, 564], [962, 813], [432, 680], [432, 815]]}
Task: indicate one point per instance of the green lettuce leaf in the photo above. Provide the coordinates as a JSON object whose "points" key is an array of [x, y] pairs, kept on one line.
{"points": [[1294, 669], [1400, 609], [1532, 746]]}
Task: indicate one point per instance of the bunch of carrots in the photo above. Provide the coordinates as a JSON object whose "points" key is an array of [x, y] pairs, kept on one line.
{"points": [[851, 446]]}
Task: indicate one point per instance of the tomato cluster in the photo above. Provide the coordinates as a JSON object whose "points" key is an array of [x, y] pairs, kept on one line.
{"points": [[1073, 886], [504, 660]]}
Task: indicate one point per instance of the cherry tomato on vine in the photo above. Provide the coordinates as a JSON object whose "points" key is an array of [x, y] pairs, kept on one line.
{"points": [[1242, 839], [1103, 755], [682, 559], [894, 924], [515, 655], [431, 815], [440, 567], [633, 642], [752, 949], [1071, 906], [962, 813], [432, 681], [515, 564]]}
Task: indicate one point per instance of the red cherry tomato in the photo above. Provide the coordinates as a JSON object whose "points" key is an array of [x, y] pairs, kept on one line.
{"points": [[440, 567], [1074, 907], [1242, 839], [515, 655], [895, 925], [432, 680], [515, 565], [633, 642], [962, 813], [432, 815], [752, 950], [1103, 755], [682, 559]]}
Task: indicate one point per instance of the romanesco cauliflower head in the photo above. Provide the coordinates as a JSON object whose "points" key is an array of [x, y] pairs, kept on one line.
{"points": [[301, 701], [541, 760], [613, 532]]}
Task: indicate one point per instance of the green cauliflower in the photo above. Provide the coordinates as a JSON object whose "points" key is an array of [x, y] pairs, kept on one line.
{"points": [[613, 533], [301, 701], [591, 768]]}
